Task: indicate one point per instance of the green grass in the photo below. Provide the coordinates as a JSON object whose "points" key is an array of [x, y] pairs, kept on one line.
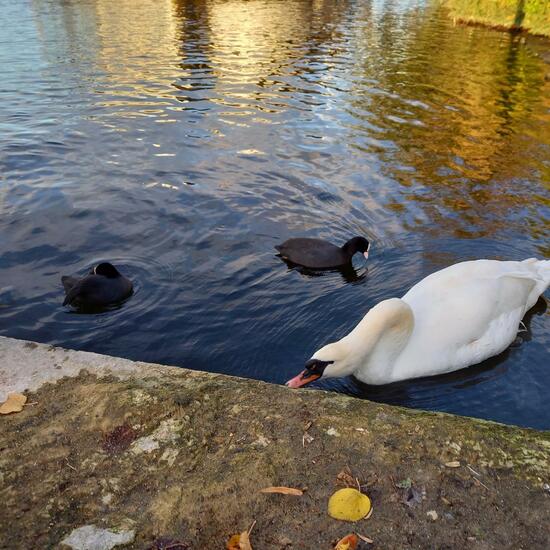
{"points": [[529, 15]]}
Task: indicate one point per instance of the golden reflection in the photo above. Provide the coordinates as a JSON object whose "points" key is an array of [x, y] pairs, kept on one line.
{"points": [[245, 46], [460, 119], [480, 95]]}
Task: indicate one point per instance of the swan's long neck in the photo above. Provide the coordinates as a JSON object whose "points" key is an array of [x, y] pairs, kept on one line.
{"points": [[379, 339]]}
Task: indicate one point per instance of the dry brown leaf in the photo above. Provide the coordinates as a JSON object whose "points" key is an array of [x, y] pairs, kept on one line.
{"points": [[234, 543], [346, 478], [244, 542], [119, 439], [14, 403], [453, 464], [283, 491], [349, 542]]}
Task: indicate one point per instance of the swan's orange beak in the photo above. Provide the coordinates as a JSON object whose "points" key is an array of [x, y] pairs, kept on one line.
{"points": [[302, 379]]}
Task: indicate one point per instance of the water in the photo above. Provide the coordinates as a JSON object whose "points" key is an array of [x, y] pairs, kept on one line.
{"points": [[182, 140]]}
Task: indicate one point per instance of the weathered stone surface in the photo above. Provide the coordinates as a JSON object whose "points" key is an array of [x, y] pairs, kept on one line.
{"points": [[209, 443], [90, 537]]}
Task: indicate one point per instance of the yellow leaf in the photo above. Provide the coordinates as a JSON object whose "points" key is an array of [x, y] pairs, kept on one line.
{"points": [[244, 542], [240, 542], [349, 542], [234, 543], [283, 491], [349, 505], [14, 403]]}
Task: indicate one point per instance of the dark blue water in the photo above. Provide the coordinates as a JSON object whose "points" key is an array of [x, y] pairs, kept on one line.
{"points": [[182, 140]]}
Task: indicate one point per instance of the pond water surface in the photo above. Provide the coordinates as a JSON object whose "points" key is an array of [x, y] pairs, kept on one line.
{"points": [[182, 140]]}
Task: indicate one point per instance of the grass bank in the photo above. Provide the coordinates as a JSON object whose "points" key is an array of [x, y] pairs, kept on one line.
{"points": [[529, 15]]}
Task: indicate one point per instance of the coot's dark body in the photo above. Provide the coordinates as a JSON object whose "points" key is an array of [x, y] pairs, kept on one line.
{"points": [[102, 287], [320, 254]]}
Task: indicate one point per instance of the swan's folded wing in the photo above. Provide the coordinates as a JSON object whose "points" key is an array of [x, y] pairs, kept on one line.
{"points": [[459, 322]]}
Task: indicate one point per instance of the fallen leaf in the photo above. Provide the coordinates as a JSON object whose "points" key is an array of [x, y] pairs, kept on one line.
{"points": [[349, 505], [404, 483], [234, 543], [283, 491], [14, 403], [432, 514], [244, 542], [349, 542], [285, 541], [240, 542], [119, 439], [453, 464], [412, 497], [346, 478]]}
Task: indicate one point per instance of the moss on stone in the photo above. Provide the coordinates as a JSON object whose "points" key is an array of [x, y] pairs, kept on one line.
{"points": [[204, 445]]}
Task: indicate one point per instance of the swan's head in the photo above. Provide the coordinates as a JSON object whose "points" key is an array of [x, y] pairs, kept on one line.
{"points": [[371, 346], [331, 361]]}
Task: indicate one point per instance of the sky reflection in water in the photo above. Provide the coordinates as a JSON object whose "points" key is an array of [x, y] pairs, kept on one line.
{"points": [[182, 140]]}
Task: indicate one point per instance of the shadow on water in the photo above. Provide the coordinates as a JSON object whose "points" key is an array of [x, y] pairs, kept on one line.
{"points": [[348, 272], [97, 310]]}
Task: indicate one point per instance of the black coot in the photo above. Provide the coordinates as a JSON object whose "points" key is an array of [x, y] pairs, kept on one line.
{"points": [[320, 254], [104, 285]]}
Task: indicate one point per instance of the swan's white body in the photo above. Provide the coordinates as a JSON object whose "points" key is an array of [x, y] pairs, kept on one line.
{"points": [[453, 318]]}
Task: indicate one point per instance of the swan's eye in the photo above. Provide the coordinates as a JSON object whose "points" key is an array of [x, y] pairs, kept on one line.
{"points": [[316, 366]]}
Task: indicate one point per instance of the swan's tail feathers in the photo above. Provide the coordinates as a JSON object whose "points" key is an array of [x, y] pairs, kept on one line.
{"points": [[543, 268]]}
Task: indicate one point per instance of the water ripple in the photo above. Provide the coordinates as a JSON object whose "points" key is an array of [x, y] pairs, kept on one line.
{"points": [[183, 139]]}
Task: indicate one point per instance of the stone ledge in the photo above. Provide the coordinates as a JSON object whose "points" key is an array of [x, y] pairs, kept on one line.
{"points": [[131, 452]]}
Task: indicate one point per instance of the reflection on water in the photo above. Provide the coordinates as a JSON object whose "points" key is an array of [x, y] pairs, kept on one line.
{"points": [[182, 140]]}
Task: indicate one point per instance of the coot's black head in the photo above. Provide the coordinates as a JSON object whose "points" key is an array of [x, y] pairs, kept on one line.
{"points": [[106, 270], [357, 244]]}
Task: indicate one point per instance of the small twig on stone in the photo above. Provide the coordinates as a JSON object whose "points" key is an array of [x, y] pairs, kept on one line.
{"points": [[481, 483], [472, 470], [69, 465]]}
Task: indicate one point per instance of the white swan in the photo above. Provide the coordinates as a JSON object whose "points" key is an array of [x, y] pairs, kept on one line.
{"points": [[453, 318]]}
